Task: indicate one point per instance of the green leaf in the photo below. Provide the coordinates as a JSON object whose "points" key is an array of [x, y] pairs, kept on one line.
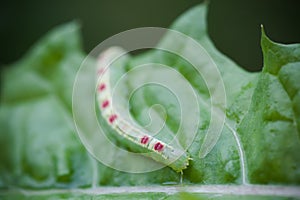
{"points": [[37, 131], [270, 130], [258, 144]]}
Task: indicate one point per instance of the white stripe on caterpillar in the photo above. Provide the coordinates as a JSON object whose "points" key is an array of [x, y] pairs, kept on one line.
{"points": [[176, 158]]}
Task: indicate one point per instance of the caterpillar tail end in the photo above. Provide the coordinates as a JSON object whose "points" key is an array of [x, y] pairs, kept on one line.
{"points": [[181, 163]]}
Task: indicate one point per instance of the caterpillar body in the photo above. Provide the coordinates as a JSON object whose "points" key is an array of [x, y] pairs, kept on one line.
{"points": [[173, 156]]}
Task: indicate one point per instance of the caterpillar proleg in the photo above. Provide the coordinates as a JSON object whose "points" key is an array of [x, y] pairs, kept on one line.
{"points": [[173, 156]]}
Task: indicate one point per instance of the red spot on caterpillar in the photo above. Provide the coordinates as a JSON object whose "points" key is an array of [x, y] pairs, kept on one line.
{"points": [[105, 104], [112, 118], [101, 87], [158, 146], [145, 139]]}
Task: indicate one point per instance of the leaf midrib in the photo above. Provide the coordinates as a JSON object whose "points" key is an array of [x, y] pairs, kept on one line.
{"points": [[262, 190]]}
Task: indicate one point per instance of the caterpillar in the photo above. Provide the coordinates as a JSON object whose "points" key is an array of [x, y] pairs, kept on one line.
{"points": [[173, 156]]}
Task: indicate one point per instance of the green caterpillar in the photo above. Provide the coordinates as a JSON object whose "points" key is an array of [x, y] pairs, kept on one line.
{"points": [[175, 157]]}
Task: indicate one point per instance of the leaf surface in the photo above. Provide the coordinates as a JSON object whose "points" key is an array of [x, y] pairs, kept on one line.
{"points": [[258, 144]]}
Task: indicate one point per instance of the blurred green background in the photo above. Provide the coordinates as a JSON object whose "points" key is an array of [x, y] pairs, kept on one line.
{"points": [[234, 25]]}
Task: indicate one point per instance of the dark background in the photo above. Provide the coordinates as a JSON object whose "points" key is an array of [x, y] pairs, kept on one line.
{"points": [[234, 25]]}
